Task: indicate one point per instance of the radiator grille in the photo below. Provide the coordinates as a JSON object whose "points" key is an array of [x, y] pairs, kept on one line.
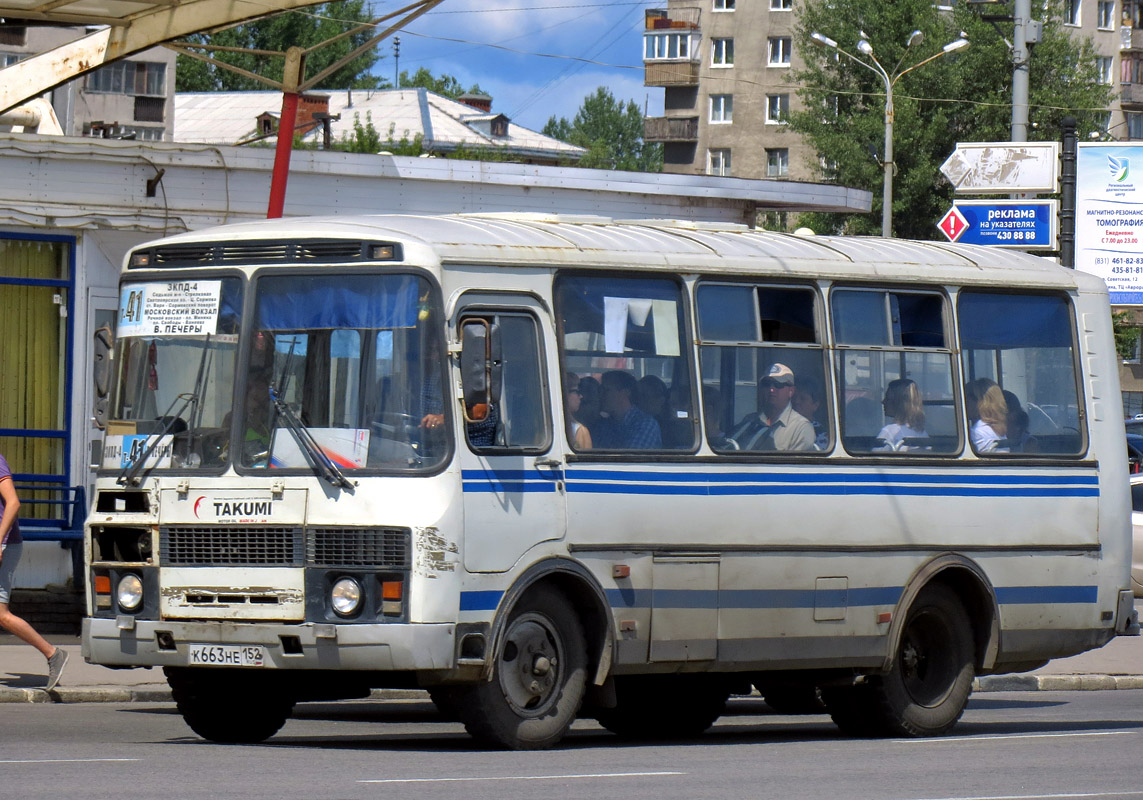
{"points": [[358, 547], [231, 546]]}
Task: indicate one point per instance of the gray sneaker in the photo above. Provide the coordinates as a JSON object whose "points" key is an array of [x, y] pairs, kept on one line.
{"points": [[56, 664]]}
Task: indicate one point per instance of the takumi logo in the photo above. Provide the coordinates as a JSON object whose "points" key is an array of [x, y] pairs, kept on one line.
{"points": [[241, 509]]}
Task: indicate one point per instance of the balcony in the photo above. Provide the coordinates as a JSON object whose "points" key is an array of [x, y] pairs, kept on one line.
{"points": [[1130, 38], [671, 73], [670, 129], [1131, 94], [661, 18]]}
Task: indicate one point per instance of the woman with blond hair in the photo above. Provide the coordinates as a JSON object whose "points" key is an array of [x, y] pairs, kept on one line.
{"points": [[903, 404], [988, 412], [11, 543]]}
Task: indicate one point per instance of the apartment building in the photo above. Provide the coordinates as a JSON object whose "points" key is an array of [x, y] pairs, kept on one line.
{"points": [[725, 69], [132, 98]]}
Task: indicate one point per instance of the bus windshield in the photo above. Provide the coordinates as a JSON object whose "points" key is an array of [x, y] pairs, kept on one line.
{"points": [[347, 368], [176, 349]]}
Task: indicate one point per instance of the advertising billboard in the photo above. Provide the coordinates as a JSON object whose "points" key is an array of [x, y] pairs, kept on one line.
{"points": [[1109, 217]]}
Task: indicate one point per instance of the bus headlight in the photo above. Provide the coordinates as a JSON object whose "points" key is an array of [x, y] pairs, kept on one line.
{"points": [[345, 596], [130, 592]]}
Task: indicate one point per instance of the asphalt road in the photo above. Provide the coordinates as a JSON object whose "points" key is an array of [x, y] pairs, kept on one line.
{"points": [[1009, 745]]}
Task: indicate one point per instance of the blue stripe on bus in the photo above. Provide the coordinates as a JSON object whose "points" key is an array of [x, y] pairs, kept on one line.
{"points": [[832, 489], [758, 599], [826, 477], [605, 481]]}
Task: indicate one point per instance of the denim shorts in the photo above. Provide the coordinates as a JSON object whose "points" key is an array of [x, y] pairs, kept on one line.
{"points": [[8, 569]]}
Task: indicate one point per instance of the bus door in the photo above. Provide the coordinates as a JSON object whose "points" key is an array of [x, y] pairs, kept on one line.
{"points": [[512, 478]]}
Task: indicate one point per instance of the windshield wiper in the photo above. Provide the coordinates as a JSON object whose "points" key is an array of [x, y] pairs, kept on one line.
{"points": [[321, 463], [130, 474]]}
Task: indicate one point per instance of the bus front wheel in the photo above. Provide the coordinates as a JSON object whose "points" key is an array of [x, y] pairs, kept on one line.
{"points": [[222, 706], [927, 689], [538, 680]]}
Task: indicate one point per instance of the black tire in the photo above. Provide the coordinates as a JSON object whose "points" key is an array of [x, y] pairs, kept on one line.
{"points": [[228, 707], [538, 679], [927, 689], [795, 700], [446, 699], [664, 706]]}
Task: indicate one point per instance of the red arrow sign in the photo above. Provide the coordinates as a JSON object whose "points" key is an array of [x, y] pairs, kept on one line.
{"points": [[953, 224]]}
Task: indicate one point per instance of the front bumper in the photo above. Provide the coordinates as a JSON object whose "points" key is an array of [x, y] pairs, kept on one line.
{"points": [[383, 648]]}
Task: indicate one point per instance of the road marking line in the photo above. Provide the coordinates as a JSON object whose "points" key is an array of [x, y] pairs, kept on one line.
{"points": [[63, 760], [1037, 796], [952, 739], [526, 777]]}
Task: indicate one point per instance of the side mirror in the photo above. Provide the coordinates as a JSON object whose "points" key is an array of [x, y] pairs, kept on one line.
{"points": [[480, 365], [104, 342]]}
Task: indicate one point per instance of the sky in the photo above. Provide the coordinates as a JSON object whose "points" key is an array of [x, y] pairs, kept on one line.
{"points": [[536, 58]]}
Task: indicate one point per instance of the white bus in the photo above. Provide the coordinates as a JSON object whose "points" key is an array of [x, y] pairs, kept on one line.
{"points": [[549, 466]]}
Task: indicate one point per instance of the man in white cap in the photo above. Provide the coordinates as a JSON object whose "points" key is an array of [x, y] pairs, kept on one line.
{"points": [[776, 426]]}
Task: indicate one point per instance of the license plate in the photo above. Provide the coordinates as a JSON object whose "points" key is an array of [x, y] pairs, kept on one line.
{"points": [[226, 655]]}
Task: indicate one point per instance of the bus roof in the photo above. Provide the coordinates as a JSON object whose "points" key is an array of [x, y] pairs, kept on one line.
{"points": [[529, 239]]}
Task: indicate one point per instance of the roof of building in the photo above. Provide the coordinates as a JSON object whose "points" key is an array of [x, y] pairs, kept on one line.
{"points": [[444, 124]]}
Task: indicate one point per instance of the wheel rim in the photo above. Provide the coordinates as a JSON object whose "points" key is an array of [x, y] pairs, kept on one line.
{"points": [[925, 659], [531, 665]]}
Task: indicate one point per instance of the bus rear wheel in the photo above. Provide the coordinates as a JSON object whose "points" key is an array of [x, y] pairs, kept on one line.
{"points": [[229, 708], [664, 706], [927, 689], [538, 679]]}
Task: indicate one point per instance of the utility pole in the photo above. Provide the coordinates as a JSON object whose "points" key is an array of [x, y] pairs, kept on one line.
{"points": [[1020, 55], [397, 61]]}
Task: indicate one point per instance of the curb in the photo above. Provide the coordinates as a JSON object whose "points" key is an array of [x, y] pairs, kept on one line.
{"points": [[1056, 683], [159, 693]]}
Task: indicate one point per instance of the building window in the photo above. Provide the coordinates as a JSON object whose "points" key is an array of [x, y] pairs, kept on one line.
{"points": [[1134, 125], [149, 109], [718, 162], [722, 52], [781, 5], [777, 108], [777, 162], [723, 5], [1106, 65], [667, 47], [130, 77], [8, 58], [1105, 14], [16, 35], [1072, 12], [779, 48], [1132, 13], [721, 108]]}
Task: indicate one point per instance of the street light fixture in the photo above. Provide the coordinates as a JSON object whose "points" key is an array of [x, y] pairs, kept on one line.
{"points": [[890, 79]]}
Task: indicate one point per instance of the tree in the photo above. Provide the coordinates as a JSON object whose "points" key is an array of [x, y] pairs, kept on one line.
{"points": [[301, 28], [961, 97], [445, 85], [611, 132]]}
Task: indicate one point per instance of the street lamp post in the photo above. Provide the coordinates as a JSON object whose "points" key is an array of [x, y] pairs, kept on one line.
{"points": [[890, 79]]}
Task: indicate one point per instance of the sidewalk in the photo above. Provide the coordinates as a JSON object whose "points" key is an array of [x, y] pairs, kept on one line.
{"points": [[1118, 665]]}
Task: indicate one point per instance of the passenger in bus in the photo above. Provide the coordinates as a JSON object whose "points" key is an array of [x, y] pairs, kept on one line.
{"points": [[988, 412], [808, 402], [1019, 439], [578, 434], [654, 398], [627, 427], [903, 405], [776, 426], [589, 404]]}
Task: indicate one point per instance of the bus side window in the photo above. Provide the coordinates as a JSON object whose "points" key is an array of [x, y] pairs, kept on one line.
{"points": [[624, 353], [516, 418], [895, 367], [1020, 370], [764, 382]]}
